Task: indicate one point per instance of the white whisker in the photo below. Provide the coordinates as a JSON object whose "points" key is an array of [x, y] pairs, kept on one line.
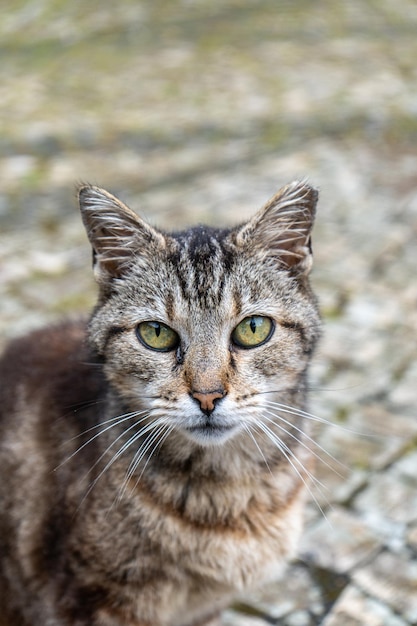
{"points": [[116, 421], [248, 430], [292, 460], [284, 447], [309, 450], [302, 443], [295, 411], [156, 428], [118, 454], [142, 451], [125, 446], [158, 444], [123, 417]]}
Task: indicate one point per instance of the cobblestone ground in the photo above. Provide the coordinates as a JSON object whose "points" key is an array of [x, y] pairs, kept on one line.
{"points": [[199, 111]]}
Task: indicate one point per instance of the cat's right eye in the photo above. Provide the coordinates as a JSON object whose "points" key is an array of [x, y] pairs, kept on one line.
{"points": [[157, 336]]}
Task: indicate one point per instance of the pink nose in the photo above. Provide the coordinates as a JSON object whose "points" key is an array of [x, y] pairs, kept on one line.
{"points": [[207, 400]]}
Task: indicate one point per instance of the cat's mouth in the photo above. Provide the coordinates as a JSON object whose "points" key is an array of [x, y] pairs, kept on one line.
{"points": [[210, 432]]}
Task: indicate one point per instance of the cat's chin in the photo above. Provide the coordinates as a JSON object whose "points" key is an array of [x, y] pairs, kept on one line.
{"points": [[210, 434]]}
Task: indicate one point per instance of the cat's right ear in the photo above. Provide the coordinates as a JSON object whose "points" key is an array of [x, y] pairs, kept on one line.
{"points": [[118, 236]]}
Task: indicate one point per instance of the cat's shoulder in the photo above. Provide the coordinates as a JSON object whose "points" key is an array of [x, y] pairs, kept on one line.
{"points": [[54, 361], [36, 350]]}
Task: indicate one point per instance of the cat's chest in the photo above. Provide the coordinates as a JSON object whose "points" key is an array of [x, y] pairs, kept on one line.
{"points": [[226, 543], [220, 561]]}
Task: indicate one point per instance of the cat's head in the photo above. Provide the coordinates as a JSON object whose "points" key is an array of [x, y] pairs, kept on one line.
{"points": [[201, 328]]}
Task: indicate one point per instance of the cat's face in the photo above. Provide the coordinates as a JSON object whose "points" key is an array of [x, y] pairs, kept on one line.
{"points": [[202, 329]]}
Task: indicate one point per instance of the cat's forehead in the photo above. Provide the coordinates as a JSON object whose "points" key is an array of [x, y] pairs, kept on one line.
{"points": [[201, 260], [210, 274], [202, 275], [200, 244]]}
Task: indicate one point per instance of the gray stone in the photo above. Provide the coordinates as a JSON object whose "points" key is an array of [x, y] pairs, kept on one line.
{"points": [[296, 592], [406, 469], [354, 608], [392, 579], [390, 495], [234, 618], [404, 394], [339, 543], [300, 618], [412, 537], [184, 145]]}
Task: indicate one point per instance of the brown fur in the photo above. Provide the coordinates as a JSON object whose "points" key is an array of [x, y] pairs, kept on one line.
{"points": [[195, 491]]}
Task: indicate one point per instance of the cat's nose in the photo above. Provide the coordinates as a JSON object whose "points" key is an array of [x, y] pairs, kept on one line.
{"points": [[207, 400]]}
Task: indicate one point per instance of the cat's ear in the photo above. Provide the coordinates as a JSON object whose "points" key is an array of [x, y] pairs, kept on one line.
{"points": [[118, 236], [282, 228]]}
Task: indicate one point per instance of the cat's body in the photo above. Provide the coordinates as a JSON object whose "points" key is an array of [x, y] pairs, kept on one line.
{"points": [[195, 491]]}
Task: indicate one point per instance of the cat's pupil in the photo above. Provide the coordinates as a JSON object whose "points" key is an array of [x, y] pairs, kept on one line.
{"points": [[253, 331], [157, 336]]}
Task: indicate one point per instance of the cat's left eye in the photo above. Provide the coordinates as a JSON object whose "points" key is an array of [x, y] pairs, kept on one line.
{"points": [[253, 331], [157, 336]]}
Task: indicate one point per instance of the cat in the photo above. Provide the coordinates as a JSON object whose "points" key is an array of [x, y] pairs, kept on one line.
{"points": [[155, 459]]}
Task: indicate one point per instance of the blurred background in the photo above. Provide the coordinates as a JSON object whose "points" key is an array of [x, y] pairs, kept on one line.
{"points": [[200, 110]]}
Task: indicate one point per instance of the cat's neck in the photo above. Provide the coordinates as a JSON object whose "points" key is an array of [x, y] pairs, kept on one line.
{"points": [[202, 484]]}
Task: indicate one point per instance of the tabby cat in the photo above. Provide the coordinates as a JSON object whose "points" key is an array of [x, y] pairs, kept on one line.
{"points": [[155, 459]]}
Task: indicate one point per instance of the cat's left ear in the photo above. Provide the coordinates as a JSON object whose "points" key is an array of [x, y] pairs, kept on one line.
{"points": [[118, 236], [282, 228]]}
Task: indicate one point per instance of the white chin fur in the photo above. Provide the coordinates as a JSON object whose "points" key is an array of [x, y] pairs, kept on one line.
{"points": [[210, 436]]}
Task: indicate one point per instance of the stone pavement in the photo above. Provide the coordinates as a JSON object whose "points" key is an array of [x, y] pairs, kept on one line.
{"points": [[199, 111]]}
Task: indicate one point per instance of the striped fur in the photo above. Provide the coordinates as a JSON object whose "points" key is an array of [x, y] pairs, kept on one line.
{"points": [[147, 487]]}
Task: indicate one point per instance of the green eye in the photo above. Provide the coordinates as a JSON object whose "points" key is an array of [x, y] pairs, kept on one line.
{"points": [[252, 331], [157, 336]]}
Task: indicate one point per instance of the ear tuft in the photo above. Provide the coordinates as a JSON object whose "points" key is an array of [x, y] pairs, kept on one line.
{"points": [[282, 228], [116, 233]]}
